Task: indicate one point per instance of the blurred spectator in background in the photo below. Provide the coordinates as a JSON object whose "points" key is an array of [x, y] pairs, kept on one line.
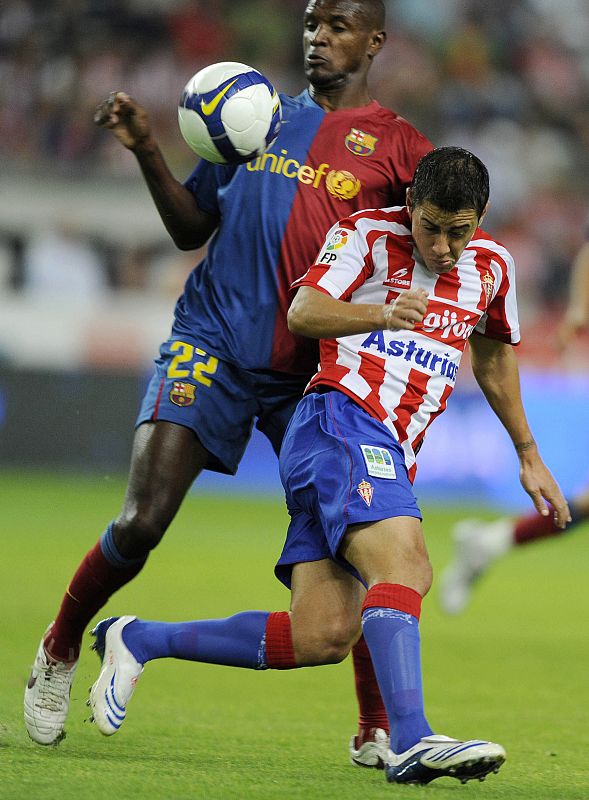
{"points": [[59, 263], [576, 318]]}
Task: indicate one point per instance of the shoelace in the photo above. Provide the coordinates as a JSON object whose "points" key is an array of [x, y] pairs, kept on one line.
{"points": [[54, 689]]}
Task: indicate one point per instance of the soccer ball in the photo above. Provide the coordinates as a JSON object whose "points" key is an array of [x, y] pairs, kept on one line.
{"points": [[229, 113]]}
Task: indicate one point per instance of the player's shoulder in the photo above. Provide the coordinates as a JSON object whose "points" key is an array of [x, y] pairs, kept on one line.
{"points": [[482, 240], [393, 220], [302, 102], [483, 245], [397, 124]]}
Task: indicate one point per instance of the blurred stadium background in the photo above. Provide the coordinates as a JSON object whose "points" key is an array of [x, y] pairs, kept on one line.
{"points": [[88, 277]]}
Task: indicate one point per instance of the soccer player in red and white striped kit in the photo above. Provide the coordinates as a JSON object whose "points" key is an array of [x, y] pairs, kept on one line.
{"points": [[479, 544], [394, 296]]}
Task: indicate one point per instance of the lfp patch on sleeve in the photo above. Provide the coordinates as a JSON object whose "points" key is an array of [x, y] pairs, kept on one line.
{"points": [[379, 461]]}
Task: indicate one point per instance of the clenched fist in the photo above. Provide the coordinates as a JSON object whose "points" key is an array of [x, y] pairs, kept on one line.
{"points": [[409, 307], [125, 118]]}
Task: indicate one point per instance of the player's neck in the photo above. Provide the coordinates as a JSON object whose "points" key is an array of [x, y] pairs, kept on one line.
{"points": [[334, 98]]}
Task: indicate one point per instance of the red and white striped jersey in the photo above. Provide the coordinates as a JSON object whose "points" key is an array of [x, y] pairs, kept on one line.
{"points": [[404, 378]]}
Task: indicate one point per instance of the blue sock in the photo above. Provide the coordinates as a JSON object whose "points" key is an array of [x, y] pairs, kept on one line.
{"points": [[238, 641], [111, 552], [393, 639]]}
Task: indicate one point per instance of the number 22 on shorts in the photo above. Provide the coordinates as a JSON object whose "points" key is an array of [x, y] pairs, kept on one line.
{"points": [[201, 370]]}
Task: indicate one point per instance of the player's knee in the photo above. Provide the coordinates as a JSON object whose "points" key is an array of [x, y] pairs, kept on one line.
{"points": [[338, 639], [334, 652], [427, 577], [417, 567], [138, 533], [325, 641], [423, 569]]}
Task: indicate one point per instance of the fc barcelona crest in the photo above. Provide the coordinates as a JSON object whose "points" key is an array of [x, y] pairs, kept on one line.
{"points": [[182, 394], [360, 143], [365, 491]]}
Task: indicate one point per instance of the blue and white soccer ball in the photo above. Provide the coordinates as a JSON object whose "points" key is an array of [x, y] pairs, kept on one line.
{"points": [[229, 113]]}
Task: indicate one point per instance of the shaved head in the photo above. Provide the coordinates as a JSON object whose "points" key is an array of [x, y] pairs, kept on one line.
{"points": [[340, 40], [374, 13], [371, 13]]}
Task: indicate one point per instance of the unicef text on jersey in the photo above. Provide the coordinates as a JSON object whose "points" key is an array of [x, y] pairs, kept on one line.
{"points": [[338, 182]]}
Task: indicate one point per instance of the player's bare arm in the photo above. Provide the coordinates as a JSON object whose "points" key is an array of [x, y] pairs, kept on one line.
{"points": [[495, 368], [320, 316], [188, 225], [576, 318]]}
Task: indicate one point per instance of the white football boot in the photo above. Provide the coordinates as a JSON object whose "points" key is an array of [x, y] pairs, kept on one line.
{"points": [[439, 756], [477, 544], [119, 675], [47, 697], [373, 752]]}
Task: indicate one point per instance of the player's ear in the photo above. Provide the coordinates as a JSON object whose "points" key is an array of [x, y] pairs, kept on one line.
{"points": [[377, 41], [484, 211], [409, 199]]}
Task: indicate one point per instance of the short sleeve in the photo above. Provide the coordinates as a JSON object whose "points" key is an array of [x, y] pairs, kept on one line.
{"points": [[343, 263], [500, 320], [205, 182]]}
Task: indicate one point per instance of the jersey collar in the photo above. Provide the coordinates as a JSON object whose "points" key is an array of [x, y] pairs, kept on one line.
{"points": [[305, 98]]}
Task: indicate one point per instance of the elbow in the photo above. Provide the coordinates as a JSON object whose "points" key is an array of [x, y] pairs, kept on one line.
{"points": [[295, 320], [306, 314], [299, 321], [190, 235], [185, 244], [187, 239], [190, 241]]}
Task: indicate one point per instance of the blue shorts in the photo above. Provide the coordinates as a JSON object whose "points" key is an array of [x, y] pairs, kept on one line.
{"points": [[219, 401], [339, 466]]}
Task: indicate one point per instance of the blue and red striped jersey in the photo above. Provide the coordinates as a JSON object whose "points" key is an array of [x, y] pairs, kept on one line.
{"points": [[274, 214]]}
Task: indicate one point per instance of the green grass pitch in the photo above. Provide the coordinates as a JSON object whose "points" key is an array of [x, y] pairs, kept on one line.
{"points": [[513, 668]]}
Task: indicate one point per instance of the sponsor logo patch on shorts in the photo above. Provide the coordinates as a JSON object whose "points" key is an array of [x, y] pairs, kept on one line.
{"points": [[379, 461]]}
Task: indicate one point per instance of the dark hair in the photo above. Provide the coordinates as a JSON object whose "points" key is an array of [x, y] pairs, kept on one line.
{"points": [[374, 13], [452, 179]]}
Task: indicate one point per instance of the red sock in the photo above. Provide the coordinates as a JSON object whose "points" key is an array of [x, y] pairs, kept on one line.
{"points": [[393, 595], [534, 526], [279, 647], [372, 713], [96, 579]]}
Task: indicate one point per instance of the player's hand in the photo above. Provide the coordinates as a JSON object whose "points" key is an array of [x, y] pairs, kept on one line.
{"points": [[125, 118], [404, 312], [539, 483]]}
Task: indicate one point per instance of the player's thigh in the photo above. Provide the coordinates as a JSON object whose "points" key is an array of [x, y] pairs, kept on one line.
{"points": [[213, 398], [277, 395], [341, 469], [326, 604], [165, 461], [389, 551]]}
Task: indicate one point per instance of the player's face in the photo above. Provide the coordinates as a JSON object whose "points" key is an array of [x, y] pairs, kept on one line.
{"points": [[441, 236], [336, 42]]}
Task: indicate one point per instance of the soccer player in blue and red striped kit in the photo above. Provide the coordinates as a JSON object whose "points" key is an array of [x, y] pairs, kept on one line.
{"points": [[408, 287], [230, 361]]}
